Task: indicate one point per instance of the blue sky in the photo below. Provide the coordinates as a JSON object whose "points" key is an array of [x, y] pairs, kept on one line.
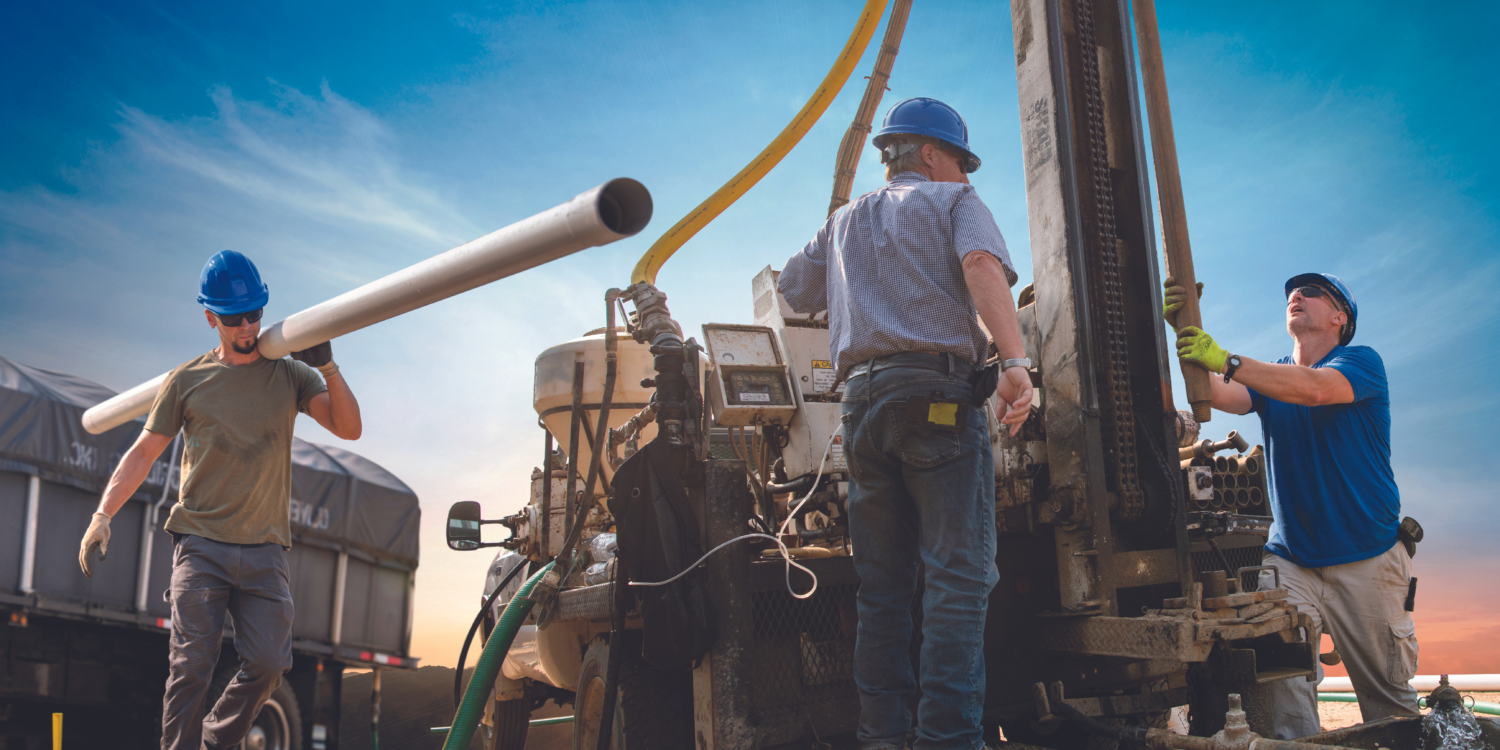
{"points": [[338, 143]]}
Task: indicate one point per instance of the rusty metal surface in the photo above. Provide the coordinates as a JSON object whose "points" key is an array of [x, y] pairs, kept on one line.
{"points": [[587, 603], [1145, 567], [779, 664], [1131, 637], [1247, 598], [1119, 403]]}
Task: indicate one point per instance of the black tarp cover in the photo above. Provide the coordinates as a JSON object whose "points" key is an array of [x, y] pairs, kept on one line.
{"points": [[337, 497]]}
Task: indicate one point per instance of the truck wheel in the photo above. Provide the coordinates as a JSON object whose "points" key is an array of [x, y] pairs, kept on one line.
{"points": [[653, 708], [278, 726], [512, 721]]}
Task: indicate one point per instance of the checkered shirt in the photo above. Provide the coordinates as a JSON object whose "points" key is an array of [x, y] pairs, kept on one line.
{"points": [[888, 269]]}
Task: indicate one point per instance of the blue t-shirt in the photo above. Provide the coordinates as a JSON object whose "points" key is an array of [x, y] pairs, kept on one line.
{"points": [[1332, 489]]}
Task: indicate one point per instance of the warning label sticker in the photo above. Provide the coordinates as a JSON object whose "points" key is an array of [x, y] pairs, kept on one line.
{"points": [[764, 397], [823, 376], [836, 455]]}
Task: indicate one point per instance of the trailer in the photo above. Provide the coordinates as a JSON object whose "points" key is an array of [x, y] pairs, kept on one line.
{"points": [[95, 649]]}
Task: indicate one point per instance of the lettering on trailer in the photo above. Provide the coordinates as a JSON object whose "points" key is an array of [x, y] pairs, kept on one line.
{"points": [[823, 376], [82, 456], [311, 516]]}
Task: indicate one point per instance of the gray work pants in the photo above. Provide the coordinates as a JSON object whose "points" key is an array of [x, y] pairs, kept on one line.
{"points": [[1362, 606], [251, 582]]}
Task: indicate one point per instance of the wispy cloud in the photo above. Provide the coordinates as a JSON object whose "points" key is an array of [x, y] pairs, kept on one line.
{"points": [[325, 158]]}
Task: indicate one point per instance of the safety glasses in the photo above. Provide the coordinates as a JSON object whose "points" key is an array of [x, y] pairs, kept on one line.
{"points": [[235, 321], [1313, 291], [1310, 291]]}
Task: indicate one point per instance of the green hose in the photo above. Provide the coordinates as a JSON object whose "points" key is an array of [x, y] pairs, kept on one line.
{"points": [[472, 708], [1492, 709]]}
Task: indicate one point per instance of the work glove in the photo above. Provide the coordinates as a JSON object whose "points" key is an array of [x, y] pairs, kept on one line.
{"points": [[319, 356], [1200, 348], [1176, 297], [97, 537], [1014, 392]]}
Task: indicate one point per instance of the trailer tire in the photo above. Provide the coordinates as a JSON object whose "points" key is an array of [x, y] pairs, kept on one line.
{"points": [[278, 726], [512, 723], [653, 709]]}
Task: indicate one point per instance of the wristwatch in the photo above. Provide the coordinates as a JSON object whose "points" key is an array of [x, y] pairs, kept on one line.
{"points": [[1017, 362], [1231, 364]]}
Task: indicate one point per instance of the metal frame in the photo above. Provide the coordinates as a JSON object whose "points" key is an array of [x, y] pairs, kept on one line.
{"points": [[28, 548]]}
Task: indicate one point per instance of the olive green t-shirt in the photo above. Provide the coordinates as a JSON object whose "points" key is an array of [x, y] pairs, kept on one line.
{"points": [[237, 433]]}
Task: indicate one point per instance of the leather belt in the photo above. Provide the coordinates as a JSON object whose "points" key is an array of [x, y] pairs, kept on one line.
{"points": [[951, 364]]}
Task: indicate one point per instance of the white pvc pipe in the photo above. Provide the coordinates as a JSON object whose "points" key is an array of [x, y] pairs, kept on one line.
{"points": [[1424, 683], [613, 211]]}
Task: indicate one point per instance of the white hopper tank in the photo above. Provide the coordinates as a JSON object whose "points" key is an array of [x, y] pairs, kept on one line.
{"points": [[552, 392]]}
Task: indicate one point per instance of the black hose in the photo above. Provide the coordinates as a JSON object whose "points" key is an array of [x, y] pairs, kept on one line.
{"points": [[796, 486], [463, 654]]}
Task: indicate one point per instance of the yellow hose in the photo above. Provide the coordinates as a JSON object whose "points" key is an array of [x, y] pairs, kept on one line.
{"points": [[738, 185]]}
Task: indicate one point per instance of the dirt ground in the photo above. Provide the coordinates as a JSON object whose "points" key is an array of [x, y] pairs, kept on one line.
{"points": [[1340, 715]]}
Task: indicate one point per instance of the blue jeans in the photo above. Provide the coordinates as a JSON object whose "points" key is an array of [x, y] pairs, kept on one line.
{"points": [[919, 494]]}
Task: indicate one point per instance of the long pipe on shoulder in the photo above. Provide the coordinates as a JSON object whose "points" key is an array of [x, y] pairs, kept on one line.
{"points": [[613, 211]]}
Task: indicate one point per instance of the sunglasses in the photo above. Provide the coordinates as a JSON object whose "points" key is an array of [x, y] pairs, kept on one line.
{"points": [[1312, 291], [235, 321]]}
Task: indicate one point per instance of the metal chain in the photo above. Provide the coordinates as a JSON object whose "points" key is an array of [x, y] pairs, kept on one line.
{"points": [[1121, 426]]}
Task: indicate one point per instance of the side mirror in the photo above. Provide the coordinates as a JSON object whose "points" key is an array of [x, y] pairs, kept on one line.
{"points": [[463, 526]]}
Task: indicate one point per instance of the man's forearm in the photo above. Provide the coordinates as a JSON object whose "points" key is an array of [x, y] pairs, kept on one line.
{"points": [[343, 408], [990, 290], [1295, 384], [132, 471], [1231, 397]]}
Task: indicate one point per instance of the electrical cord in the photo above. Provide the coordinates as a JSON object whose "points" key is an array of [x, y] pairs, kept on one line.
{"points": [[785, 553], [463, 654]]}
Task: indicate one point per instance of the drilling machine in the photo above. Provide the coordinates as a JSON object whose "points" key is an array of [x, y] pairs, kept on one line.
{"points": [[1129, 554]]}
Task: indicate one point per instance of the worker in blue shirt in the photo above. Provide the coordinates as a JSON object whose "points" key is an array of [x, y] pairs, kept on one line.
{"points": [[907, 274], [1326, 415]]}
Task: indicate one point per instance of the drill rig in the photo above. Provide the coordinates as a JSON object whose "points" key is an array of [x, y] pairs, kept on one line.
{"points": [[1129, 554]]}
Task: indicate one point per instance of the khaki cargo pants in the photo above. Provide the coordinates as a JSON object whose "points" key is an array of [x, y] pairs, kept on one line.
{"points": [[1361, 605], [209, 578]]}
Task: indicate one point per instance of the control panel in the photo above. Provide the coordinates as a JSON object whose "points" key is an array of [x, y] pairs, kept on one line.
{"points": [[750, 384]]}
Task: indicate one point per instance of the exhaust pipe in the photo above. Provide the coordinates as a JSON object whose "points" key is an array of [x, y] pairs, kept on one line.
{"points": [[613, 211]]}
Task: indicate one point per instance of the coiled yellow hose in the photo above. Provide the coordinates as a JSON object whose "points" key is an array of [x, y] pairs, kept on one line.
{"points": [[741, 183]]}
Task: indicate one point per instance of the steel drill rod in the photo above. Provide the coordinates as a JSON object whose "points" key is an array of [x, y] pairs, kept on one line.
{"points": [[1174, 227]]}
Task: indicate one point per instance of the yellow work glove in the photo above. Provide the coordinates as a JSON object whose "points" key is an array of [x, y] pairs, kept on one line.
{"points": [[1200, 348], [96, 537], [1175, 298]]}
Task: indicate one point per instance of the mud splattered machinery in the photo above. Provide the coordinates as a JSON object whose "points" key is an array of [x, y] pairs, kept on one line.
{"points": [[1129, 554]]}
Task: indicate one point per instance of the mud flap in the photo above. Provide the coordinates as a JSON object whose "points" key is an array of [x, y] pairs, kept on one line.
{"points": [[658, 538]]}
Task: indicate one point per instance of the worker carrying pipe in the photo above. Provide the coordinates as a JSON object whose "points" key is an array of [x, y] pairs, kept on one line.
{"points": [[231, 523], [902, 272], [1336, 542]]}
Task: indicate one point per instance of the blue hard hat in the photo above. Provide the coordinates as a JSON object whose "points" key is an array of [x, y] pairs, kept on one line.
{"points": [[924, 116], [1340, 291], [230, 285]]}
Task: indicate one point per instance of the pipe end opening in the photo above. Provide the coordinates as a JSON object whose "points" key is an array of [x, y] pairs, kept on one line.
{"points": [[624, 206]]}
